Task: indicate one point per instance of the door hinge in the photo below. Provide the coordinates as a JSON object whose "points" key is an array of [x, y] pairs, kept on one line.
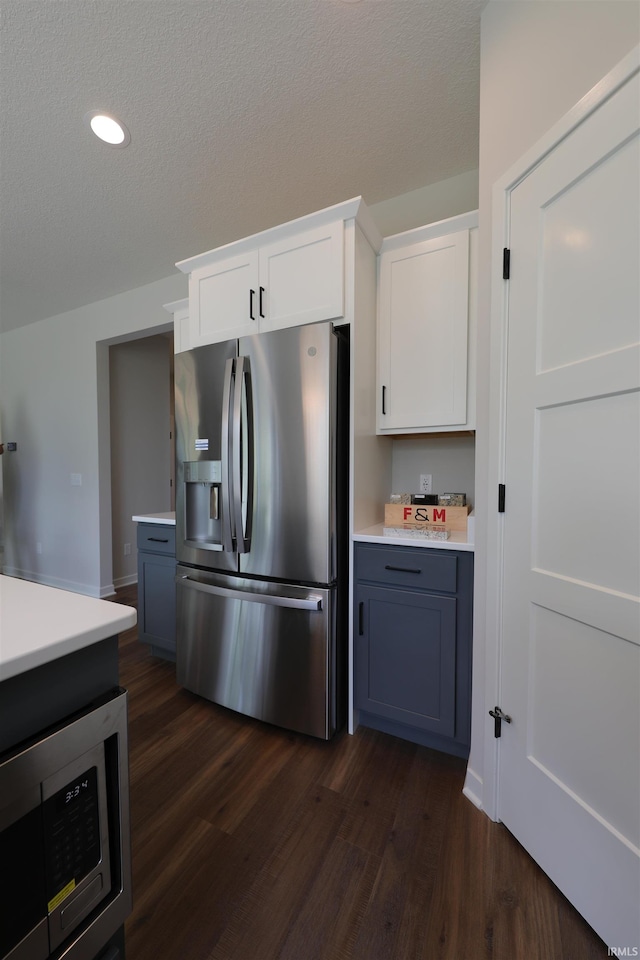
{"points": [[506, 264], [501, 497], [498, 717]]}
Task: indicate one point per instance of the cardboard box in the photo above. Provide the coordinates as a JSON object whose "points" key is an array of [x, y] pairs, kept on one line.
{"points": [[452, 518]]}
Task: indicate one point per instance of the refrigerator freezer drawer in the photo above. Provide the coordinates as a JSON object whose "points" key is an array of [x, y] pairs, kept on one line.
{"points": [[264, 649]]}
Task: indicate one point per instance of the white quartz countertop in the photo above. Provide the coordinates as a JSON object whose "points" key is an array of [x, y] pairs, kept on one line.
{"points": [[456, 541], [39, 624], [168, 518]]}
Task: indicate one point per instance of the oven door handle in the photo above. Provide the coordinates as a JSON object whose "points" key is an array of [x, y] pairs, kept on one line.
{"points": [[312, 602]]}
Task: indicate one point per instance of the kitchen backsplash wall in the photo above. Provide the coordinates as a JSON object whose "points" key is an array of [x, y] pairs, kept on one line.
{"points": [[450, 461]]}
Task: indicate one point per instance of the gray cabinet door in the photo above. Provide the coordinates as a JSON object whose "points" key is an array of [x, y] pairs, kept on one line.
{"points": [[157, 588], [157, 602], [406, 657]]}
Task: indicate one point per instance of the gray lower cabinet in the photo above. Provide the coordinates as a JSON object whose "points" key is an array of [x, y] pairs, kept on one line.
{"points": [[157, 588], [413, 627]]}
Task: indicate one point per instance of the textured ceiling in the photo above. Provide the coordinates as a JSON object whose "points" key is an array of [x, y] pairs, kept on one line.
{"points": [[243, 114]]}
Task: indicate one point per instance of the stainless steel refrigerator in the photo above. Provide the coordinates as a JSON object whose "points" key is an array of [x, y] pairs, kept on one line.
{"points": [[261, 525]]}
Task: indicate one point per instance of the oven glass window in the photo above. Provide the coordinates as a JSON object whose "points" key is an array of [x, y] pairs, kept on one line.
{"points": [[22, 897]]}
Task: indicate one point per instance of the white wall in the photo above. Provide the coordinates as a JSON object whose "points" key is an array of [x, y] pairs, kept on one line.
{"points": [[54, 400], [438, 201], [140, 385], [449, 460], [537, 60]]}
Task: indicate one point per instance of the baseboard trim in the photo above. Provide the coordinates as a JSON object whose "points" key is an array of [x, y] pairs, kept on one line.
{"points": [[88, 590], [472, 789], [119, 582]]}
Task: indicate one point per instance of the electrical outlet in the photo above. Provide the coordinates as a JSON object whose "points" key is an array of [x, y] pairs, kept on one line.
{"points": [[127, 549], [426, 483]]}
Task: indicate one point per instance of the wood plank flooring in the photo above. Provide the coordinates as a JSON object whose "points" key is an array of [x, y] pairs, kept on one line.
{"points": [[253, 843]]}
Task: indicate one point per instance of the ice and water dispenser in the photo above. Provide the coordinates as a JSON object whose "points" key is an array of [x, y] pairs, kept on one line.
{"points": [[203, 504]]}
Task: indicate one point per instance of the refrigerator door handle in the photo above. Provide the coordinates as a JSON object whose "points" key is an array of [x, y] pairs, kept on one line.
{"points": [[225, 457], [311, 602], [242, 454]]}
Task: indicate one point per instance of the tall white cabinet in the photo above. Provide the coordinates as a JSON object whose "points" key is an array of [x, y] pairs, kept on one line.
{"points": [[426, 329]]}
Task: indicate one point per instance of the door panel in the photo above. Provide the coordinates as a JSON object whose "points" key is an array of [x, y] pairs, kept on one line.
{"points": [[263, 649], [406, 658], [221, 306], [201, 487], [423, 333], [303, 278], [578, 527], [564, 734], [569, 780], [293, 380], [581, 270]]}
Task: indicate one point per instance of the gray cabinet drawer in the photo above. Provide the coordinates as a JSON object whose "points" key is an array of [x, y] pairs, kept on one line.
{"points": [[157, 538], [403, 567]]}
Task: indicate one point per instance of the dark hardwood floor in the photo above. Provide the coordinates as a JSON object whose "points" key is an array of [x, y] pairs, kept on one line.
{"points": [[252, 843]]}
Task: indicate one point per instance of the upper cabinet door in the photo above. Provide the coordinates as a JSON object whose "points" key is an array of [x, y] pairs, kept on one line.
{"points": [[294, 280], [423, 336], [224, 300], [297, 273], [302, 278]]}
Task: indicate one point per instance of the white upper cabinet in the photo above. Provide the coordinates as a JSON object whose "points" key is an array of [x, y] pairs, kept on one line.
{"points": [[284, 277], [426, 329], [223, 299], [303, 278]]}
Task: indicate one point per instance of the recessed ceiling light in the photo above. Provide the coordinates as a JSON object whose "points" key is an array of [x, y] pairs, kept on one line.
{"points": [[107, 128]]}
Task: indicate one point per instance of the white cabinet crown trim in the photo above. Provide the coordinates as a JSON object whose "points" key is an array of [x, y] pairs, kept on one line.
{"points": [[465, 221], [348, 210]]}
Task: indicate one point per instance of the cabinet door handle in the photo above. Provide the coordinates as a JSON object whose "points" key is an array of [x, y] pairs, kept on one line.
{"points": [[252, 294], [158, 540], [260, 302], [402, 569], [361, 618], [384, 401]]}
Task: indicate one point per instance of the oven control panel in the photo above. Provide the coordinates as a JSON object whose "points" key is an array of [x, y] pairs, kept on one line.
{"points": [[72, 831]]}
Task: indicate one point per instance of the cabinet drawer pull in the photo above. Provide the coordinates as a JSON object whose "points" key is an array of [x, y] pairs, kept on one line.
{"points": [[361, 619], [402, 569], [158, 540], [384, 401], [260, 302], [252, 294]]}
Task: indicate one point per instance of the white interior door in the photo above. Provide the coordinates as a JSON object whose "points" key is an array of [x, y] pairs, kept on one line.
{"points": [[569, 774]]}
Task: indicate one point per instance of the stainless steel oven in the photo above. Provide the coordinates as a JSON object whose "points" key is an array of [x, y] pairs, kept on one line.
{"points": [[65, 875]]}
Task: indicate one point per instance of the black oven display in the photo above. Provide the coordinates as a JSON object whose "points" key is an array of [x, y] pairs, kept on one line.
{"points": [[72, 832]]}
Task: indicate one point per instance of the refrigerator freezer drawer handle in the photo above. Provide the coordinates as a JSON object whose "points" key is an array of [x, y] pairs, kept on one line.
{"points": [[308, 603]]}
